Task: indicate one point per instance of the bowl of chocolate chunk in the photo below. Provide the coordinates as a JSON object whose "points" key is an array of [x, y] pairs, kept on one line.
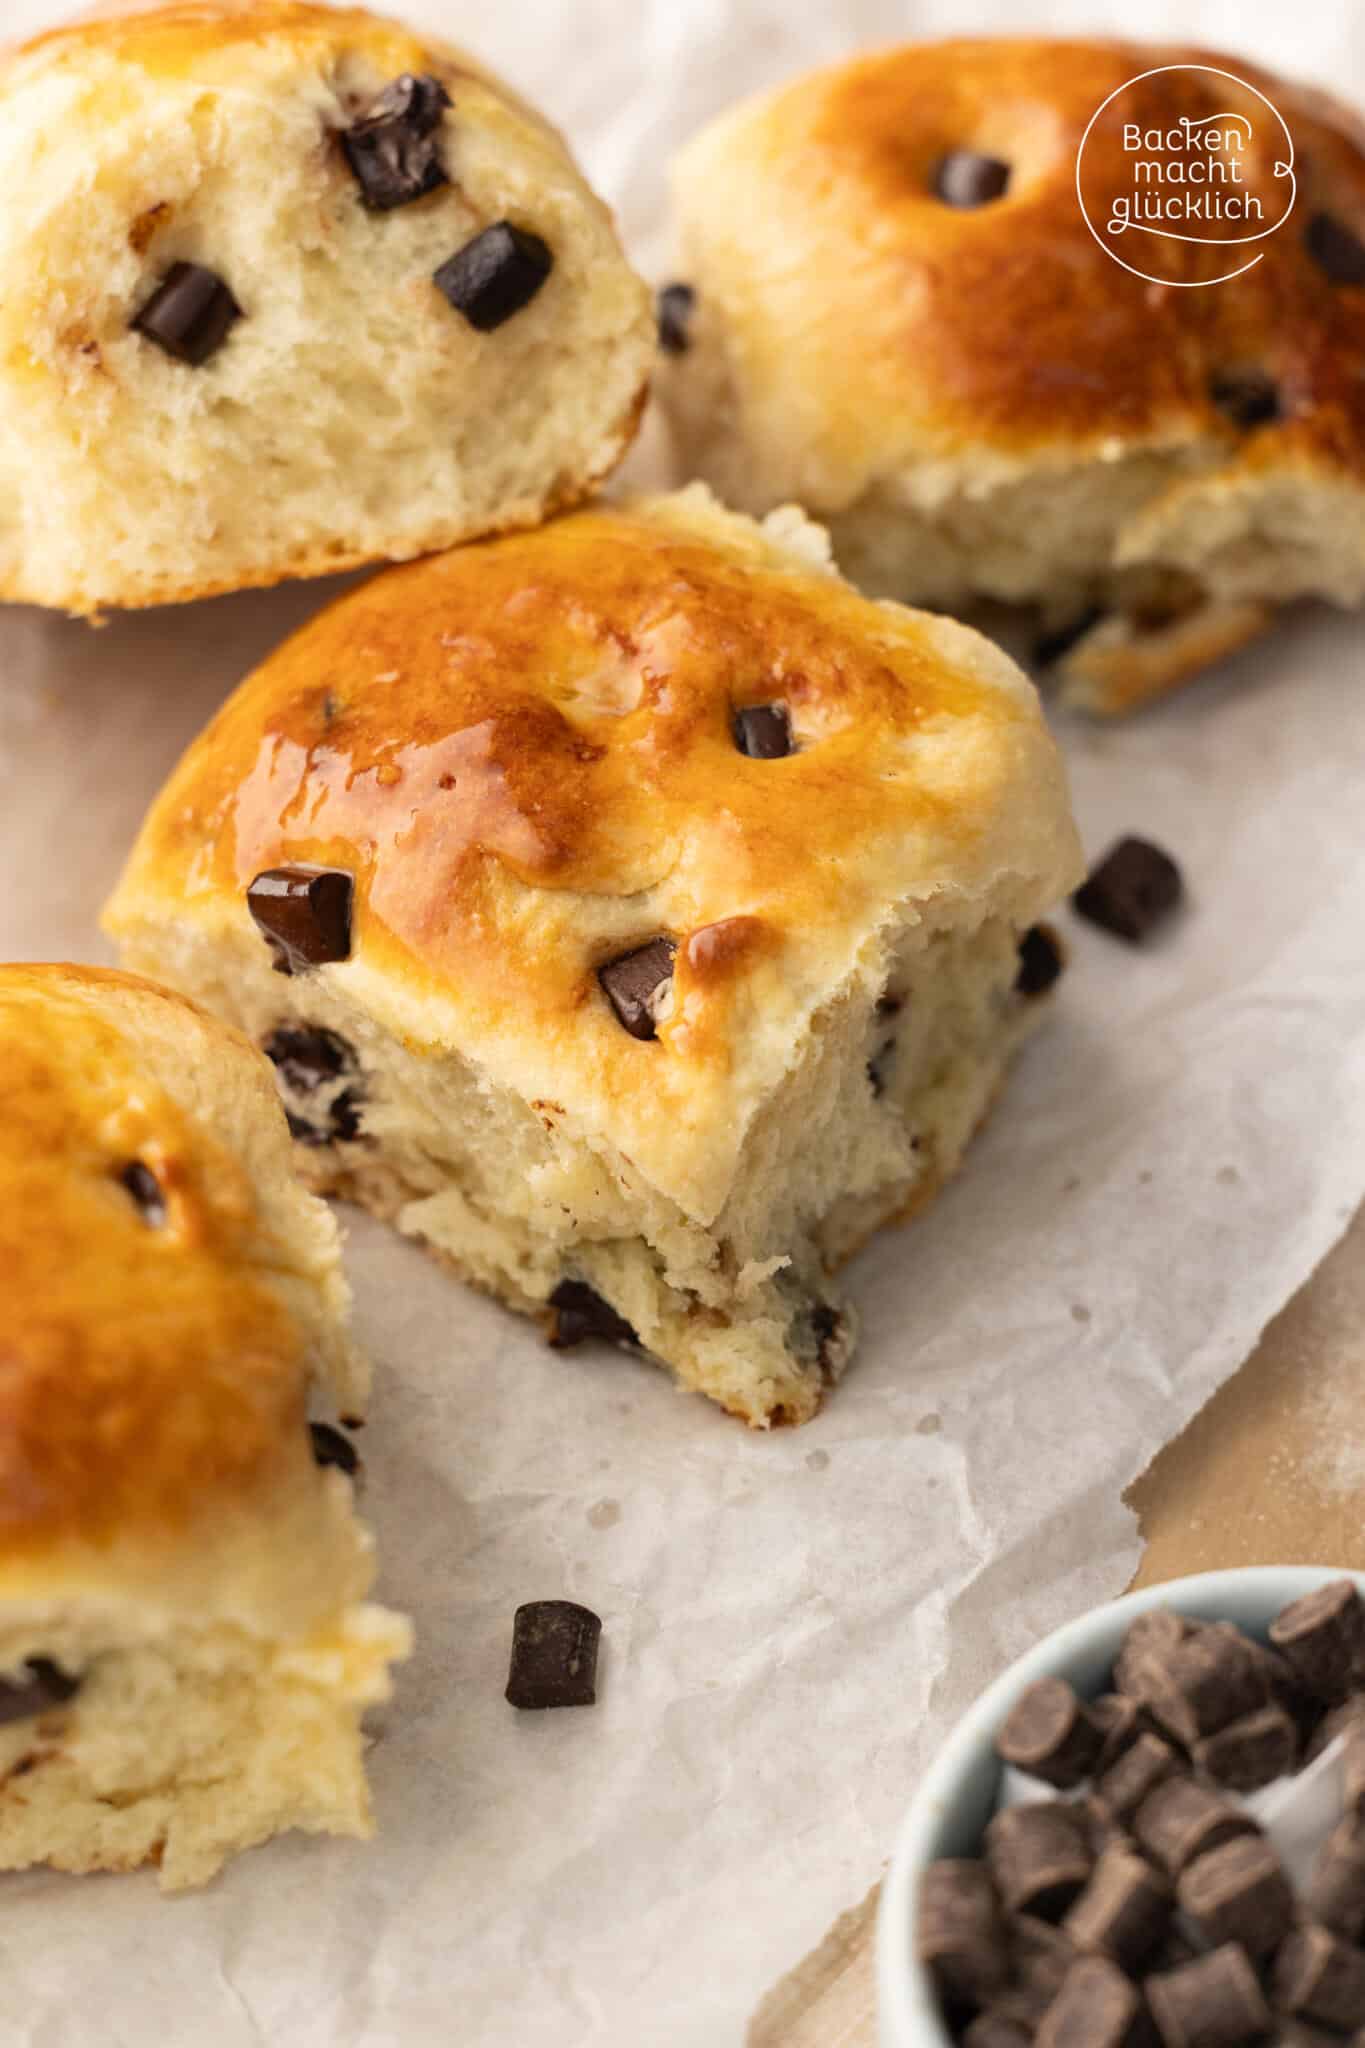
{"points": [[1148, 1833]]}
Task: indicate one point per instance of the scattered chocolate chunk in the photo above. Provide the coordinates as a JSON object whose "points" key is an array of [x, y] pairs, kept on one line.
{"points": [[1124, 1910], [330, 1447], [674, 309], [1323, 1638], [1248, 398], [637, 983], [1052, 647], [580, 1313], [1131, 890], [1051, 1734], [1338, 252], [1145, 1764], [554, 1655], [189, 315], [1152, 1634], [1041, 961], [1096, 2006], [1213, 2002], [46, 1687], [495, 275], [394, 150], [998, 2028], [1251, 1752], [1318, 1976], [1039, 1856], [960, 1936], [966, 178], [1199, 1684], [763, 732], [1183, 1819], [146, 1190], [1336, 1891], [1239, 1893], [305, 914]]}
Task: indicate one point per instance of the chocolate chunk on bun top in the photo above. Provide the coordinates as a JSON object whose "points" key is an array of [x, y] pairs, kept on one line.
{"points": [[284, 289], [612, 983], [182, 1587], [900, 319]]}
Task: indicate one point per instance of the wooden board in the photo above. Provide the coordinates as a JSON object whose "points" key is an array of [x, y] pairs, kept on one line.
{"points": [[1271, 1472]]}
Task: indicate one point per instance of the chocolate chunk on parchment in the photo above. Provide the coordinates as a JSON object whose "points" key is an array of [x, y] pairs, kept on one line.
{"points": [[1322, 1636], [554, 1655], [1041, 961], [1097, 2007], [43, 1686], [305, 914], [1318, 1976], [495, 275], [189, 315], [1251, 1752], [967, 178], [673, 309], [1051, 1733], [636, 984], [1124, 1910], [1214, 2002], [1239, 1892], [960, 1934], [394, 150], [1129, 892], [1183, 1819], [1039, 1856]]}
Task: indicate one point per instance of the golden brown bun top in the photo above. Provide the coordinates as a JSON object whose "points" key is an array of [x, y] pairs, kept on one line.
{"points": [[147, 1369], [524, 752], [863, 307], [169, 37]]}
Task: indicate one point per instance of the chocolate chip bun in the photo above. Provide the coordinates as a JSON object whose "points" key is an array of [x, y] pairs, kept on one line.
{"points": [[185, 1648], [633, 912], [899, 317], [285, 289]]}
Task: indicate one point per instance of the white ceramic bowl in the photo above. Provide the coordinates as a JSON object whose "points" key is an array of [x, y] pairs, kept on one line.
{"points": [[948, 1814]]}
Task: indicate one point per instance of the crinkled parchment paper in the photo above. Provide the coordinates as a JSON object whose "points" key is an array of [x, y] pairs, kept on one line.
{"points": [[790, 1621]]}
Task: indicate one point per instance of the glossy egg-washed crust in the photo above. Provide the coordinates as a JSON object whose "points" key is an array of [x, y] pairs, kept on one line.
{"points": [[523, 750], [867, 310], [149, 1373], [203, 38]]}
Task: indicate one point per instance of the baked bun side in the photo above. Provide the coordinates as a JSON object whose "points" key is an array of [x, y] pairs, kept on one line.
{"points": [[980, 403], [185, 1642], [286, 289], [652, 823]]}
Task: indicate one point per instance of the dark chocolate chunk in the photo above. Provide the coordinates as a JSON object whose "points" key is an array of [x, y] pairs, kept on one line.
{"points": [[1051, 647], [394, 150], [1249, 398], [1199, 1684], [45, 1687], [1121, 1719], [307, 1055], [966, 178], [674, 309], [1041, 961], [1131, 890], [1214, 2002], [1323, 1638], [1104, 1828], [189, 315], [636, 984], [1183, 1819], [763, 732], [495, 275], [1040, 1857], [1096, 2007], [1336, 249], [343, 1122], [330, 1447], [1051, 1734], [959, 1934], [146, 1190], [1145, 1764], [1318, 1976], [554, 1655], [1155, 1632], [1124, 1910], [1250, 1752], [305, 914], [1336, 1891], [580, 1313], [1239, 1893], [1040, 1956]]}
